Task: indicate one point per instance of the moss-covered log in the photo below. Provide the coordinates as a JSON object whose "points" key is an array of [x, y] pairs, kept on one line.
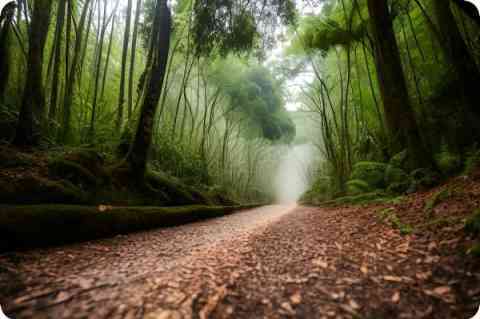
{"points": [[40, 225]]}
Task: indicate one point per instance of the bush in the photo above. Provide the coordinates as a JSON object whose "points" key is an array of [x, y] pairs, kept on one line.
{"points": [[448, 162], [424, 178], [357, 186], [372, 173], [399, 160], [395, 175]]}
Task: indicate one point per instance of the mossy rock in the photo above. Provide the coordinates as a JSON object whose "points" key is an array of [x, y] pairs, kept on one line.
{"points": [[399, 160], [472, 225], [448, 163], [36, 190], [372, 173], [357, 186]]}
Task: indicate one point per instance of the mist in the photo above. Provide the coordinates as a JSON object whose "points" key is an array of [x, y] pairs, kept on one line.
{"points": [[292, 178]]}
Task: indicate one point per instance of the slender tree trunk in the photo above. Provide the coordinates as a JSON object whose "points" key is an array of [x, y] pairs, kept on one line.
{"points": [[28, 131], [107, 61], [133, 56], [57, 56], [400, 117], [121, 94], [71, 81], [6, 20], [138, 154]]}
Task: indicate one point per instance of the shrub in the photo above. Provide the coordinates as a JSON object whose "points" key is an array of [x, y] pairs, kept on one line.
{"points": [[372, 173], [448, 162], [357, 186]]}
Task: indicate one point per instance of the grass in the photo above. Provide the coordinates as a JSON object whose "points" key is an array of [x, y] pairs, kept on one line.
{"points": [[388, 216]]}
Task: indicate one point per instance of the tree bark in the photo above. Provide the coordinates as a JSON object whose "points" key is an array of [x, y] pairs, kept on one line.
{"points": [[137, 157], [458, 56], [6, 19], [52, 112], [28, 131], [399, 114]]}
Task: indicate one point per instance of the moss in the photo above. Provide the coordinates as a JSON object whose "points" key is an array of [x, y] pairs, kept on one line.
{"points": [[38, 225], [388, 215], [357, 186], [34, 190], [448, 163], [73, 172], [179, 193], [372, 173], [11, 158], [474, 250], [367, 198], [472, 225]]}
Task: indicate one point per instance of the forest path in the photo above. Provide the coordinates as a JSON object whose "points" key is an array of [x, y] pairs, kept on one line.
{"points": [[270, 262]]}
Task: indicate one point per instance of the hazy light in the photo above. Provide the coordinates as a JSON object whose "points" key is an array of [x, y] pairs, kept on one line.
{"points": [[291, 180]]}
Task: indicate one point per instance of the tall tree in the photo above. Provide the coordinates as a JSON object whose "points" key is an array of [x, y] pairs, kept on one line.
{"points": [[161, 32], [52, 112], [133, 55], [28, 131], [121, 94], [399, 114], [456, 52], [72, 75]]}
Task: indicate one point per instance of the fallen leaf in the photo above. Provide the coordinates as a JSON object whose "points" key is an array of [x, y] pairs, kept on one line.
{"points": [[442, 290], [364, 269], [396, 297], [392, 278], [296, 298]]}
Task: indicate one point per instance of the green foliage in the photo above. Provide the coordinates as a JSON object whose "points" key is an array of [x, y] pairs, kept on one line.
{"points": [[436, 199], [448, 162], [372, 173], [357, 186], [399, 160], [388, 215], [472, 161], [472, 225]]}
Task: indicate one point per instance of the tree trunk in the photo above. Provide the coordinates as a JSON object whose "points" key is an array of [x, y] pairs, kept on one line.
{"points": [[457, 55], [133, 56], [33, 104], [121, 94], [70, 82], [6, 19], [161, 31], [399, 114], [57, 57]]}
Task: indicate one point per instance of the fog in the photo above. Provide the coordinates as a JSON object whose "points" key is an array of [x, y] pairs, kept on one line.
{"points": [[292, 180]]}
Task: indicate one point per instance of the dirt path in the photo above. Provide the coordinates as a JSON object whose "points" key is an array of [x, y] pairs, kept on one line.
{"points": [[271, 262]]}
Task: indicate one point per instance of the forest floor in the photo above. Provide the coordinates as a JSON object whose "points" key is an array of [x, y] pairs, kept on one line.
{"points": [[405, 259]]}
